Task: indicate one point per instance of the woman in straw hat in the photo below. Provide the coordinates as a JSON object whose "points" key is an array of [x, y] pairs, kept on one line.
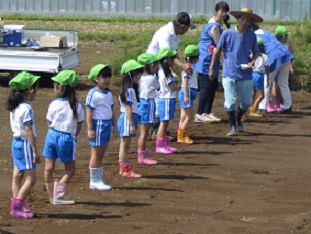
{"points": [[237, 43]]}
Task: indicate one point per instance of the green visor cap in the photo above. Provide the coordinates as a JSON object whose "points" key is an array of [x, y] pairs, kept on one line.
{"points": [[66, 77], [281, 30], [259, 41], [23, 80], [146, 58], [166, 52], [192, 50], [96, 70], [130, 65]]}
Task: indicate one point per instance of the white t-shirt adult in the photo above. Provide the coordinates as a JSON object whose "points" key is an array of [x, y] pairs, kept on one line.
{"points": [[165, 83], [192, 80], [165, 37], [148, 86], [21, 116], [60, 116], [130, 100], [101, 103], [261, 63]]}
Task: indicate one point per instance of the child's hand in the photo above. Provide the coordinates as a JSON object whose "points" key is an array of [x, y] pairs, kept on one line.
{"points": [[132, 130], [186, 100], [115, 132], [91, 134], [36, 158]]}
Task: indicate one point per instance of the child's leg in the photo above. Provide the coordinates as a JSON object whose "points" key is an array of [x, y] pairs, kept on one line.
{"points": [[30, 181], [162, 129], [182, 117], [260, 97], [124, 147], [142, 140], [70, 169], [188, 117], [48, 177], [253, 96], [17, 181], [97, 155]]}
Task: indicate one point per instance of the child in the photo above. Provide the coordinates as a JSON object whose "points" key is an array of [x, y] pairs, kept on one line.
{"points": [[167, 99], [148, 86], [127, 124], [65, 117], [260, 70], [24, 149], [100, 118], [186, 96]]}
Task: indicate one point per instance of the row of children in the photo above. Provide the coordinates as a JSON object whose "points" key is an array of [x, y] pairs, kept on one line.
{"points": [[143, 80]]}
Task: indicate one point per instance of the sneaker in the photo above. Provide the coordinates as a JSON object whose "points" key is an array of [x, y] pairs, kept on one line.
{"points": [[198, 118], [213, 118], [240, 128], [287, 111], [232, 132], [262, 111]]}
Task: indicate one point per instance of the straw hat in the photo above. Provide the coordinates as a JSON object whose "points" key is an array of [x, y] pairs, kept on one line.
{"points": [[248, 13]]}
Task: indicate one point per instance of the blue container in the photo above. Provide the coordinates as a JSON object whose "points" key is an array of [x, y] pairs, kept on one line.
{"points": [[13, 35]]}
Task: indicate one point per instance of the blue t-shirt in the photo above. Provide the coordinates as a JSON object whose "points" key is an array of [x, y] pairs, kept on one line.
{"points": [[237, 48], [206, 46], [277, 52]]}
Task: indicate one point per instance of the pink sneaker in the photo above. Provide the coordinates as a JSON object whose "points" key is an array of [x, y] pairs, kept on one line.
{"points": [[167, 145], [143, 158], [161, 147], [269, 108]]}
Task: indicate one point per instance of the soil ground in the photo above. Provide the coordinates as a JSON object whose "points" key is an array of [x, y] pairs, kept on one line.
{"points": [[255, 182]]}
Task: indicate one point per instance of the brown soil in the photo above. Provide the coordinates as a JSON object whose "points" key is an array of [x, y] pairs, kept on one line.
{"points": [[256, 182]]}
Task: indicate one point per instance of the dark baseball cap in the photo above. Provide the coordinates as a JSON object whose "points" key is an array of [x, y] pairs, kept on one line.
{"points": [[185, 18]]}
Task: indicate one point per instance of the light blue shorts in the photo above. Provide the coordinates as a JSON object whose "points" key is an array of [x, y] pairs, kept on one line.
{"points": [[60, 145], [102, 130], [146, 110], [192, 95], [258, 79], [124, 125], [166, 108], [22, 154]]}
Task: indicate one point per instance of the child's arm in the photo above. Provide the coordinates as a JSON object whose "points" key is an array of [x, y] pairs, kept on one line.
{"points": [[129, 115], [89, 122], [32, 140], [79, 126], [186, 90]]}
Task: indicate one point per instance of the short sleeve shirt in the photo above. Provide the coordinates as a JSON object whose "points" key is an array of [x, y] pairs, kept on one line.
{"points": [[165, 83], [237, 49], [130, 100], [192, 80], [60, 116], [101, 103], [148, 86], [261, 63], [23, 115]]}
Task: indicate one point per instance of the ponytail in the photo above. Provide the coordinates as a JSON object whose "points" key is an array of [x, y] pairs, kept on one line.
{"points": [[127, 82], [70, 93]]}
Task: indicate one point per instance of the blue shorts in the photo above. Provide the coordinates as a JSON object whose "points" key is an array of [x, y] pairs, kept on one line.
{"points": [[102, 130], [166, 108], [146, 110], [22, 154], [60, 145], [258, 79], [124, 125], [192, 95]]}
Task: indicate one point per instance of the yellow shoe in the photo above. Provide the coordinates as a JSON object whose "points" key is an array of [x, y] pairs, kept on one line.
{"points": [[255, 114], [184, 138]]}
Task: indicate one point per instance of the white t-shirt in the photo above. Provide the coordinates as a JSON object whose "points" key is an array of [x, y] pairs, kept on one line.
{"points": [[101, 103], [60, 116], [130, 100], [261, 63], [165, 83], [21, 116], [192, 80], [148, 86], [165, 37]]}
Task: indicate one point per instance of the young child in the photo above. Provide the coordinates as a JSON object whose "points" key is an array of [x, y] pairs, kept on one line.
{"points": [[100, 118], [127, 124], [186, 96], [24, 149], [148, 86], [260, 71], [167, 99], [65, 117]]}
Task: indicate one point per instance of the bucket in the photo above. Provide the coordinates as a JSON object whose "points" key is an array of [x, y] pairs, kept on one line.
{"points": [[13, 35]]}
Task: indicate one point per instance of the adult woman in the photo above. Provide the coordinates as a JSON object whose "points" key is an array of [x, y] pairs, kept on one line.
{"points": [[209, 39]]}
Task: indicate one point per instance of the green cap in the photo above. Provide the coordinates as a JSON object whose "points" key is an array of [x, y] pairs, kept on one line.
{"points": [[192, 50], [259, 41], [130, 65], [23, 80], [166, 52], [95, 71], [146, 58], [281, 30], [66, 77]]}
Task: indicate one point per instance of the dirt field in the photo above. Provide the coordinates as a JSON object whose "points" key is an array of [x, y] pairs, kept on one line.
{"points": [[256, 182]]}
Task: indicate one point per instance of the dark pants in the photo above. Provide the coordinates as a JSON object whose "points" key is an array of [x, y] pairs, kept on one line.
{"points": [[207, 93]]}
